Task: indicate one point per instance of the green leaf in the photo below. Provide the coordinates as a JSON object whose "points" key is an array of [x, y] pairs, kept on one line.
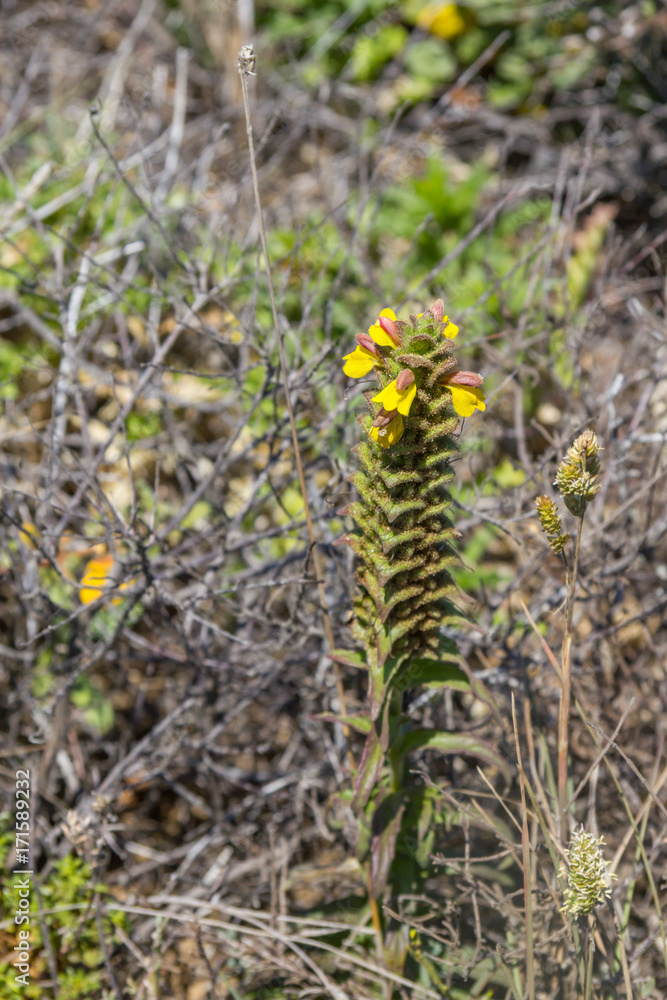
{"points": [[433, 674], [360, 723], [97, 709], [368, 772], [386, 825], [451, 743], [370, 53], [507, 476], [431, 60], [350, 658], [143, 425], [197, 516]]}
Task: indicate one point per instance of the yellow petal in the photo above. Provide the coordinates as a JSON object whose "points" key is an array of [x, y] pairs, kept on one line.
{"points": [[377, 334], [466, 400], [29, 534], [442, 19], [359, 362], [391, 434], [124, 586], [393, 399], [451, 329], [95, 577]]}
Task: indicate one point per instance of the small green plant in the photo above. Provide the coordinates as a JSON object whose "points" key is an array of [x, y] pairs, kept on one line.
{"points": [[68, 896]]}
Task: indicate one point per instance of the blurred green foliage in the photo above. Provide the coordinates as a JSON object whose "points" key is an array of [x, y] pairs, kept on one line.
{"points": [[418, 46], [68, 897]]}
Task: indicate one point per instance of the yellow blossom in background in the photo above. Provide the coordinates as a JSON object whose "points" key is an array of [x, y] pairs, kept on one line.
{"points": [[124, 586], [391, 434], [96, 578], [29, 534], [442, 19], [466, 399]]}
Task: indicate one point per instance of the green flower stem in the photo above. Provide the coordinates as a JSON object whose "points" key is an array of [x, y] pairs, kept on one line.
{"points": [[566, 687], [589, 951]]}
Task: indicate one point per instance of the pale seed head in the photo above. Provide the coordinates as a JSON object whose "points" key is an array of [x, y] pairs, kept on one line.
{"points": [[577, 477], [587, 875]]}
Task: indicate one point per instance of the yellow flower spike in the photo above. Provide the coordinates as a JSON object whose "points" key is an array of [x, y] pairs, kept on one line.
{"points": [[95, 578], [375, 331], [391, 434], [399, 394], [466, 399]]}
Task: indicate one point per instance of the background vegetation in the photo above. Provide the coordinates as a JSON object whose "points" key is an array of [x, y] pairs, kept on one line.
{"points": [[190, 835]]}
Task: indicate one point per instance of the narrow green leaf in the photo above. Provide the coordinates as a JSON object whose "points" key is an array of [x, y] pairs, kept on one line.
{"points": [[433, 674], [386, 826], [369, 770], [360, 723], [451, 743], [350, 658]]}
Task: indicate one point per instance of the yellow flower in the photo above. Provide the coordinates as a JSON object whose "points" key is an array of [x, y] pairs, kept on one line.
{"points": [[360, 361], [391, 434], [29, 534], [466, 399], [379, 335], [442, 19], [95, 578], [451, 329], [399, 394], [364, 357], [465, 389]]}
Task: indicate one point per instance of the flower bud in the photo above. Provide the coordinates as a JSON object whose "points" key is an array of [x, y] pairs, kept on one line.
{"points": [[384, 418], [437, 310], [365, 341], [471, 379], [390, 328], [405, 378]]}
